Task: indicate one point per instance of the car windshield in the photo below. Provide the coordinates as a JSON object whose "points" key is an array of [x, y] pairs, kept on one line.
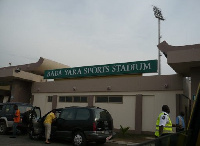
{"points": [[101, 114]]}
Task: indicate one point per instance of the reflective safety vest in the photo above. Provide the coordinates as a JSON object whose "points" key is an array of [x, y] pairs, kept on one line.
{"points": [[166, 129], [17, 116]]}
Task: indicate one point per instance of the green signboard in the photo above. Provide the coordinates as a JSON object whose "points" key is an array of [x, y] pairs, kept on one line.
{"points": [[149, 66]]}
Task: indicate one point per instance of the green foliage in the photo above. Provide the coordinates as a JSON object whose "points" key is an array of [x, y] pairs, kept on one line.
{"points": [[124, 130]]}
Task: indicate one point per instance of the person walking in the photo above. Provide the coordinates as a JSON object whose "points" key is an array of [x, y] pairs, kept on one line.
{"points": [[180, 121], [163, 123], [16, 120], [47, 123]]}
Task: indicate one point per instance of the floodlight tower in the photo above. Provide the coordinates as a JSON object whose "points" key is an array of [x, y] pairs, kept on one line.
{"points": [[158, 15]]}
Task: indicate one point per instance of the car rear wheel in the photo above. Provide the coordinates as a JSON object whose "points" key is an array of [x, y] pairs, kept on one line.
{"points": [[79, 139], [3, 128]]}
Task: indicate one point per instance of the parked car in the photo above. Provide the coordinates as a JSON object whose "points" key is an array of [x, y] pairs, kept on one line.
{"points": [[7, 114], [77, 124]]}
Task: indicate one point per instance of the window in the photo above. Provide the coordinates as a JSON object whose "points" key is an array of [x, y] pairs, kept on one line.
{"points": [[77, 99], [80, 99], [37, 113], [73, 99], [115, 99], [82, 114], [1, 106], [9, 108], [83, 99], [68, 114], [62, 99], [68, 99], [23, 108], [110, 99], [101, 99], [102, 114], [50, 98], [57, 114]]}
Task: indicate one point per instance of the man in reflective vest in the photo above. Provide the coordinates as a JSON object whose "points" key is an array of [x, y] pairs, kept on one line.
{"points": [[163, 123]]}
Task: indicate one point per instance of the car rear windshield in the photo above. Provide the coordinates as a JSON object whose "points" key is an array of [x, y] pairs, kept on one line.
{"points": [[101, 114]]}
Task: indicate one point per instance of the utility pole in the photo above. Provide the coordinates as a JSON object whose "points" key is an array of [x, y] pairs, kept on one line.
{"points": [[158, 15]]}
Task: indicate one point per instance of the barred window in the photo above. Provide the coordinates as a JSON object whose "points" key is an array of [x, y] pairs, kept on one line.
{"points": [[109, 99], [50, 98], [82, 99], [62, 99], [115, 99], [102, 99], [68, 99], [77, 99]]}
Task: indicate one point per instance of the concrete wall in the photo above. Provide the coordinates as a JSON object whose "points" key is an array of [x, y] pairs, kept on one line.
{"points": [[195, 79], [40, 100], [143, 97], [148, 113], [21, 91], [126, 113], [123, 114], [116, 84], [152, 107]]}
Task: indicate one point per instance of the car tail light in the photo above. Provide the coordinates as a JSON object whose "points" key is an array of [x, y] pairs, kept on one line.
{"points": [[94, 126]]}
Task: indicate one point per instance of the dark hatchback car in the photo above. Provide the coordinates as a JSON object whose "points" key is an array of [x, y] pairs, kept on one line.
{"points": [[77, 124]]}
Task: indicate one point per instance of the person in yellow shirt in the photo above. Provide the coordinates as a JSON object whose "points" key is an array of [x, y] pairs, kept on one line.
{"points": [[47, 123]]}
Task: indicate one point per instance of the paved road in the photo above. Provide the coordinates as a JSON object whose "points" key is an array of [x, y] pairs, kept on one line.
{"points": [[23, 140]]}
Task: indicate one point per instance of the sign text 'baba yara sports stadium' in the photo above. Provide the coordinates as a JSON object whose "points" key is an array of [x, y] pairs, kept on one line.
{"points": [[138, 67]]}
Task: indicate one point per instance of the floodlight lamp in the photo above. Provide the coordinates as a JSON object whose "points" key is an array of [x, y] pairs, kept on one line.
{"points": [[158, 13]]}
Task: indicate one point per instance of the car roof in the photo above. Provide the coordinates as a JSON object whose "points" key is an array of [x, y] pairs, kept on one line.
{"points": [[87, 107], [58, 109]]}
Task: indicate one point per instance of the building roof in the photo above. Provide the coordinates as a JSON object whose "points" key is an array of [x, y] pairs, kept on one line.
{"points": [[181, 58], [39, 67], [30, 72]]}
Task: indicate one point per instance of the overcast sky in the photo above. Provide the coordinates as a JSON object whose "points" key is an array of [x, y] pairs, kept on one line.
{"points": [[93, 32]]}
